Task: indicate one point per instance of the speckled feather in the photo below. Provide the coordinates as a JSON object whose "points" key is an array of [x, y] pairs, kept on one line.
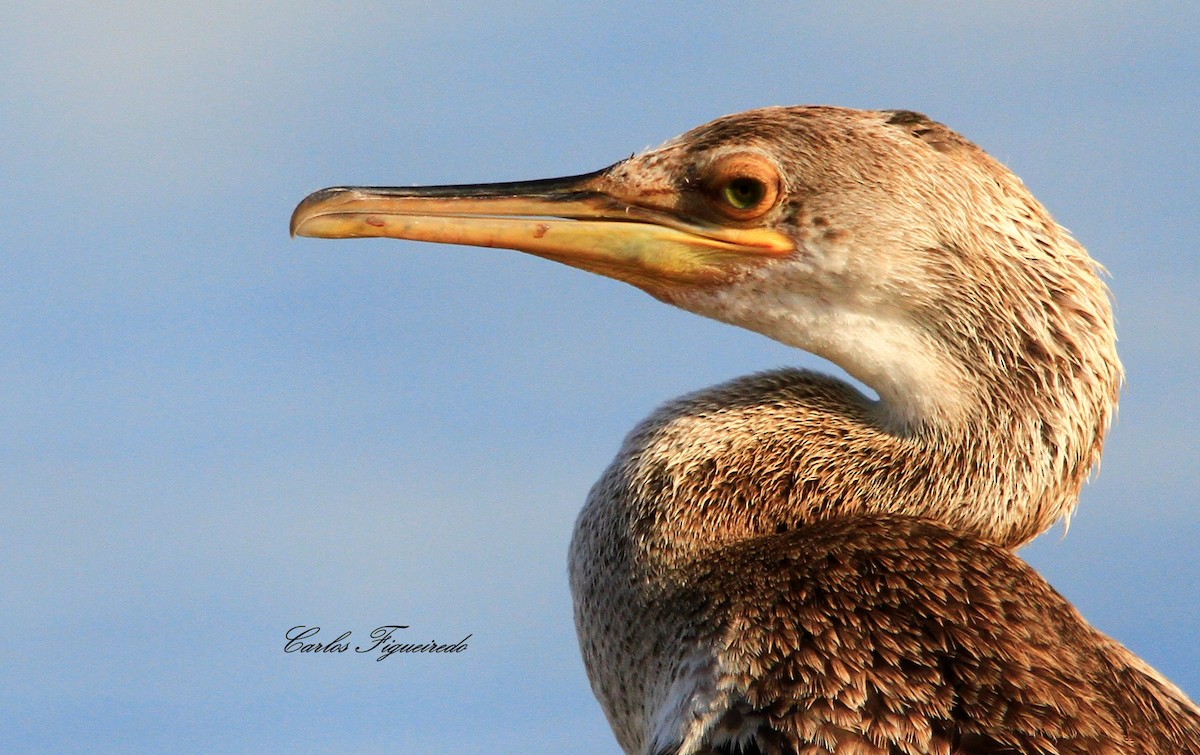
{"points": [[896, 635], [783, 565]]}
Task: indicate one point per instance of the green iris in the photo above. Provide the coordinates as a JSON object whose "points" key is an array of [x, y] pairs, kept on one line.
{"points": [[744, 193]]}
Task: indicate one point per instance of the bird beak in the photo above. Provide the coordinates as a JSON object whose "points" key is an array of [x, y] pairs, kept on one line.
{"points": [[579, 221]]}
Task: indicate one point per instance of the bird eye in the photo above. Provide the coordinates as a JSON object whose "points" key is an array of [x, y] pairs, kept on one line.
{"points": [[744, 193], [742, 186]]}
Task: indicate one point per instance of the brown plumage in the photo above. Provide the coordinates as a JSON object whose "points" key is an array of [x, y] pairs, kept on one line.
{"points": [[780, 564], [897, 635]]}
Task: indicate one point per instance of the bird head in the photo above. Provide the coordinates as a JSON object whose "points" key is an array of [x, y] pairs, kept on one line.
{"points": [[880, 240]]}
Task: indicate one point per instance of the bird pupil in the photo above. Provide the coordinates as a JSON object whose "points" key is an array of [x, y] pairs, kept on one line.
{"points": [[744, 193]]}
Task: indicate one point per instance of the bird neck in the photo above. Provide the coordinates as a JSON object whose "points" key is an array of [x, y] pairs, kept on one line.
{"points": [[992, 404], [781, 450]]}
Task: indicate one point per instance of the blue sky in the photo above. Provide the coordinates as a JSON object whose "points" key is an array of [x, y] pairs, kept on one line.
{"points": [[212, 432]]}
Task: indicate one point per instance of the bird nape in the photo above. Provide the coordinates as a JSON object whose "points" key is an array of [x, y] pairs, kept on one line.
{"points": [[780, 564]]}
